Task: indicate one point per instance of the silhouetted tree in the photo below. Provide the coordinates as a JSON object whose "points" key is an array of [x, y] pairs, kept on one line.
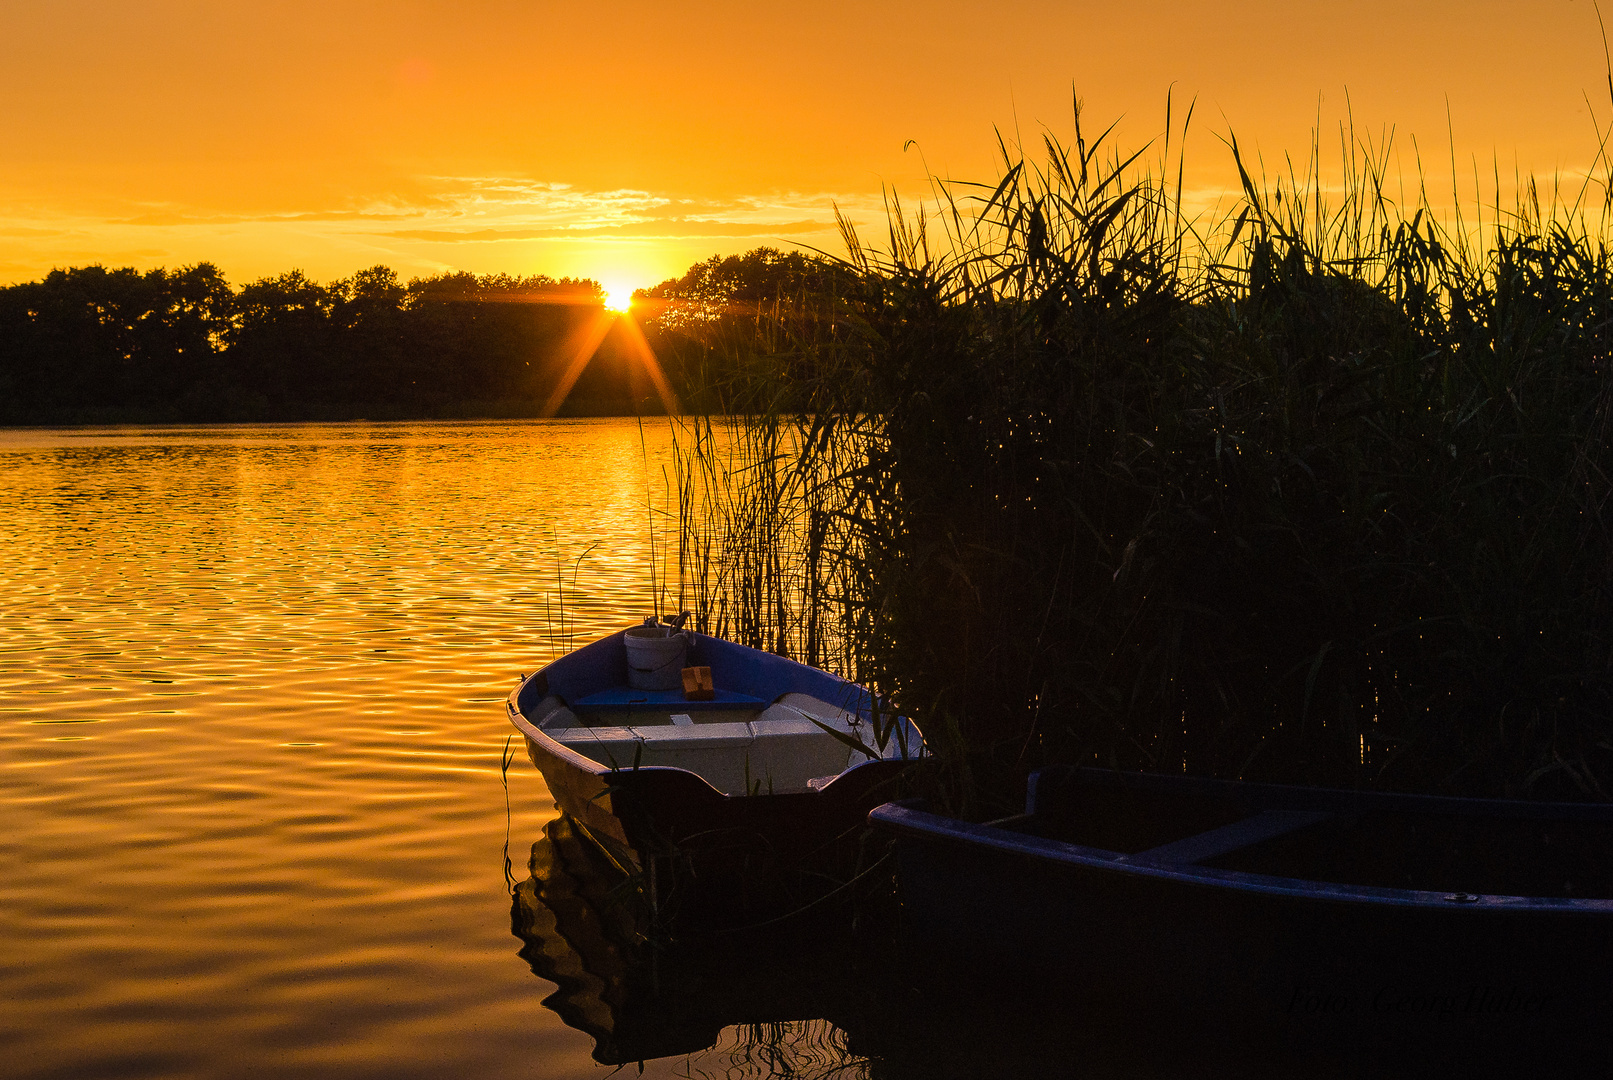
{"points": [[90, 343]]}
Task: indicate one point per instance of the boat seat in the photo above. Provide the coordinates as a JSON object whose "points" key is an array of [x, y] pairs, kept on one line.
{"points": [[781, 750], [795, 750], [618, 747], [785, 718], [782, 728], [783, 724], [675, 737], [811, 706], [1229, 838]]}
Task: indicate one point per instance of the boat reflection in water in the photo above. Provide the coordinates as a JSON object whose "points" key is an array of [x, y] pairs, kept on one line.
{"points": [[780, 988], [812, 997]]}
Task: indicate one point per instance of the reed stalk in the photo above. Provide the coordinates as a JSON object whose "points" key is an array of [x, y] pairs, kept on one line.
{"points": [[1314, 489]]}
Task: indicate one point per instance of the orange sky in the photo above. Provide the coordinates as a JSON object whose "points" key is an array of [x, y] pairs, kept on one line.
{"points": [[624, 141]]}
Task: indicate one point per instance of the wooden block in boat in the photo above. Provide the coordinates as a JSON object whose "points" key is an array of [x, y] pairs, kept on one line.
{"points": [[697, 685]]}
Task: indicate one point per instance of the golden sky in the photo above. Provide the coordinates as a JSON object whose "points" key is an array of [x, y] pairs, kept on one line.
{"points": [[626, 140]]}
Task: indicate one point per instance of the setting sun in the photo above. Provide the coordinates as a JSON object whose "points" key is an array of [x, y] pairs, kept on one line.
{"points": [[618, 297]]}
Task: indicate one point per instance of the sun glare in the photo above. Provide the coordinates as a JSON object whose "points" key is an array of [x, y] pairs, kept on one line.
{"points": [[618, 297]]}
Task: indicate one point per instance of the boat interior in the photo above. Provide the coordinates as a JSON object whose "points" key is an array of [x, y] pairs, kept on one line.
{"points": [[740, 746], [1460, 846]]}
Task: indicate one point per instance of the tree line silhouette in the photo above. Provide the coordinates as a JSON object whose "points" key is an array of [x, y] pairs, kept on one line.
{"points": [[97, 345]]}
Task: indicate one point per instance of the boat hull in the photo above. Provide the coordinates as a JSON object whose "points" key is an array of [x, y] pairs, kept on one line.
{"points": [[698, 848], [666, 811]]}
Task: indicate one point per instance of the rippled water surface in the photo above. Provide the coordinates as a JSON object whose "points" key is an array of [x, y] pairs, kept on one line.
{"points": [[252, 818], [251, 731]]}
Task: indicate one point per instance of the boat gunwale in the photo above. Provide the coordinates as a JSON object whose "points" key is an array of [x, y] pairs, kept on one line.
{"points": [[908, 819]]}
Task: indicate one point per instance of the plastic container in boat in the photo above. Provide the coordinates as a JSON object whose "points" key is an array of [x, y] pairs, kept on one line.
{"points": [[655, 657]]}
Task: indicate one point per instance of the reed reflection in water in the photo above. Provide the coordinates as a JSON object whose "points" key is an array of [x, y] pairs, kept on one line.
{"points": [[251, 728]]}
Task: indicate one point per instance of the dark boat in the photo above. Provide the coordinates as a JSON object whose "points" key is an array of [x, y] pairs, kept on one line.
{"points": [[817, 998], [741, 790], [1322, 915]]}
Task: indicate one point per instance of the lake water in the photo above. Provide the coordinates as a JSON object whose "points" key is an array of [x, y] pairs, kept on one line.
{"points": [[252, 812], [251, 726]]}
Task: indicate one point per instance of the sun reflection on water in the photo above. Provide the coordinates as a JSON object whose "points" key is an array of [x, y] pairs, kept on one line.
{"points": [[301, 866]]}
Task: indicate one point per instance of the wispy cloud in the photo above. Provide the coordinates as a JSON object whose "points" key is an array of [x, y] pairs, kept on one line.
{"points": [[430, 223], [671, 229], [492, 209]]}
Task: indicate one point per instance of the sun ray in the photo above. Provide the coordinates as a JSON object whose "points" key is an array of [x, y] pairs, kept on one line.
{"points": [[652, 367], [588, 342]]}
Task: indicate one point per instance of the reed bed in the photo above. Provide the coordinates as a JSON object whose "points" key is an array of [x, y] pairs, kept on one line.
{"points": [[1310, 489]]}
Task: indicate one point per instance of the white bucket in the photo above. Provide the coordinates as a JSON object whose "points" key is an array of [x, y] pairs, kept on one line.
{"points": [[655, 657]]}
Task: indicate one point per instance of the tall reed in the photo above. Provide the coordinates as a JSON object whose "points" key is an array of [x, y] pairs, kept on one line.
{"points": [[1314, 489]]}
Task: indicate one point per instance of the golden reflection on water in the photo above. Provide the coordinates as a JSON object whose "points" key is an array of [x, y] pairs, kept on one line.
{"points": [[250, 736]]}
